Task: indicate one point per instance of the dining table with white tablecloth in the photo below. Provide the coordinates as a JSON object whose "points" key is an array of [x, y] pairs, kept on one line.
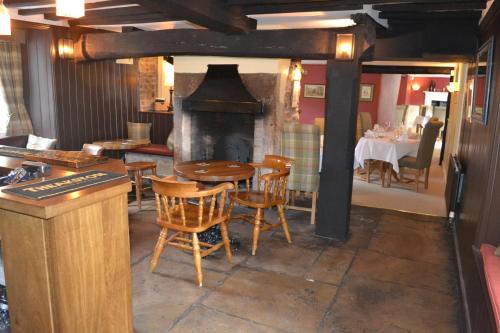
{"points": [[385, 149]]}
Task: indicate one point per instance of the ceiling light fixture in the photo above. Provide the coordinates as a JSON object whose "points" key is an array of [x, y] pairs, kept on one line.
{"points": [[5, 29], [70, 8], [345, 47]]}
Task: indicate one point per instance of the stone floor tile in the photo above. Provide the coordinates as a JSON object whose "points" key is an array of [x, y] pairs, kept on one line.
{"points": [[411, 273], [291, 304], [160, 298], [365, 305], [143, 235], [331, 265], [203, 319]]}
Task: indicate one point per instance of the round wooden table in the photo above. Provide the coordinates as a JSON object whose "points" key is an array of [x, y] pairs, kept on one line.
{"points": [[214, 171], [122, 144]]}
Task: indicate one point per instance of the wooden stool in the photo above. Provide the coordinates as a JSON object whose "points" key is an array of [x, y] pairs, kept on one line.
{"points": [[138, 168]]}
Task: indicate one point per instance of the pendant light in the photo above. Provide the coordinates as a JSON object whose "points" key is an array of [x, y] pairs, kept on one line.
{"points": [[70, 8], [5, 29]]}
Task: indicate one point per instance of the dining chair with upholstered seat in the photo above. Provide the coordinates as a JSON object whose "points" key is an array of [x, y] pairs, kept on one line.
{"points": [[92, 149], [270, 192], [186, 209], [423, 159]]}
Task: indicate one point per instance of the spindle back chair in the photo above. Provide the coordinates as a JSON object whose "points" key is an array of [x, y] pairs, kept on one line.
{"points": [[187, 209]]}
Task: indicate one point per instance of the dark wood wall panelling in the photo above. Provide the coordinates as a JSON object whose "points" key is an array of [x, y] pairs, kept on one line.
{"points": [[83, 102], [479, 220]]}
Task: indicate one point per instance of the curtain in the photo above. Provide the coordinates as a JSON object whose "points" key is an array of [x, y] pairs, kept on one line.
{"points": [[11, 76]]}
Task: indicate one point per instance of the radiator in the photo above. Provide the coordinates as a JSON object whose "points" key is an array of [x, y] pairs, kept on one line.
{"points": [[454, 185]]}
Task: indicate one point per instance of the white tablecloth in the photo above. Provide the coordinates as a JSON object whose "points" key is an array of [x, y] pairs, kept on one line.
{"points": [[384, 149]]}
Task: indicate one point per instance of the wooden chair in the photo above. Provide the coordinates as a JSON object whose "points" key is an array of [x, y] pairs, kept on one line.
{"points": [[138, 169], [176, 211], [270, 192], [91, 149], [424, 155]]}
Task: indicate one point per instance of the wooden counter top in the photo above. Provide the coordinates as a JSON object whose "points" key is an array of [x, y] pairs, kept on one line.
{"points": [[51, 207]]}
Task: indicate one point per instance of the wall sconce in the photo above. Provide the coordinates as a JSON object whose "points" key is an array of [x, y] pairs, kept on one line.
{"points": [[70, 8], [169, 76], [345, 47], [297, 72], [415, 86], [5, 29], [65, 48], [453, 87]]}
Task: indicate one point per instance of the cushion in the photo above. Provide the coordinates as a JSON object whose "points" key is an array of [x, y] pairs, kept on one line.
{"points": [[154, 149], [497, 251], [140, 131], [39, 143], [492, 275], [170, 141]]}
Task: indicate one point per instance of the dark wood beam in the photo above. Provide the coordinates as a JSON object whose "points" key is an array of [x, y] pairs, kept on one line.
{"points": [[431, 6], [124, 19], [429, 16], [27, 3], [377, 69], [111, 12], [52, 8], [300, 7], [211, 14]]}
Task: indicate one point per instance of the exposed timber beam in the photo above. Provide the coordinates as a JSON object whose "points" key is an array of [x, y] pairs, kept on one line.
{"points": [[431, 6], [52, 9], [124, 19], [111, 12], [211, 14], [300, 7], [418, 16], [27, 3], [406, 69]]}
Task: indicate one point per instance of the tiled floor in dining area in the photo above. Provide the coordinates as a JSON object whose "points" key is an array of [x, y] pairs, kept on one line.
{"points": [[395, 274]]}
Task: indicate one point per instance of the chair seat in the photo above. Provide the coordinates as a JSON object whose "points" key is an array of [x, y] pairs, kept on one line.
{"points": [[408, 162], [191, 212], [133, 166], [254, 199]]}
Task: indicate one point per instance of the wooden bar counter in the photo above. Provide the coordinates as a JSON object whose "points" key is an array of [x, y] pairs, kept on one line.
{"points": [[67, 258]]}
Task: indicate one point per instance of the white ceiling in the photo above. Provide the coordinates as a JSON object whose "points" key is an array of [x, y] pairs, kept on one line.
{"points": [[301, 20]]}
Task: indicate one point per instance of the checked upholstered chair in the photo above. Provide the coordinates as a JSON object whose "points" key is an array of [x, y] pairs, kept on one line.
{"points": [[301, 143], [270, 192], [186, 210], [424, 155]]}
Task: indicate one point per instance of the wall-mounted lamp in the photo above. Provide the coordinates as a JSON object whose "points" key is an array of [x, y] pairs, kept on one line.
{"points": [[70, 8], [344, 49], [5, 29], [415, 86], [297, 72], [453, 87], [169, 75], [65, 48]]}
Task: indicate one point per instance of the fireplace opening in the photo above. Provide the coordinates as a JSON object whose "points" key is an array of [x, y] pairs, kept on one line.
{"points": [[222, 136]]}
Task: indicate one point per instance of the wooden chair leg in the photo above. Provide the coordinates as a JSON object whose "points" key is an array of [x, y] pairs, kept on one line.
{"points": [[427, 170], [225, 238], [197, 260], [138, 188], [281, 212], [230, 210], [160, 244], [389, 171], [256, 230], [402, 174], [313, 208], [417, 179], [369, 171]]}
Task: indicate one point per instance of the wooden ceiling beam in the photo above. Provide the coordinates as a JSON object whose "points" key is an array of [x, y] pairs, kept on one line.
{"points": [[110, 12], [300, 7], [419, 16], [27, 3], [52, 8], [211, 14], [431, 6], [124, 19]]}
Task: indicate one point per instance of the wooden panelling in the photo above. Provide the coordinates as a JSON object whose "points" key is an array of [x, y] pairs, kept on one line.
{"points": [[480, 209]]}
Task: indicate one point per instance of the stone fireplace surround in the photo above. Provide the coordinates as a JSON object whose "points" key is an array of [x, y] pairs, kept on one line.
{"points": [[267, 81]]}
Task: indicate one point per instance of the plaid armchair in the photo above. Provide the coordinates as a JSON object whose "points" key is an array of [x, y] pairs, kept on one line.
{"points": [[301, 142]]}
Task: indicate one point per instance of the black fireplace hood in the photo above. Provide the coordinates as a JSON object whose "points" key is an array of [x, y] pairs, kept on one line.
{"points": [[222, 91]]}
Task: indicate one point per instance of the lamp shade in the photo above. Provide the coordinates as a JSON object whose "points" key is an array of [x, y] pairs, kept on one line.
{"points": [[344, 49], [168, 73], [5, 29], [65, 48], [70, 8], [415, 86]]}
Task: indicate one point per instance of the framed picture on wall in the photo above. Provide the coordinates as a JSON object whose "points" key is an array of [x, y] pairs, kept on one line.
{"points": [[482, 82], [366, 92], [314, 90]]}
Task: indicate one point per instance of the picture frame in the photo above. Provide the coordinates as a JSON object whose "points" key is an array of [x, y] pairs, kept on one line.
{"points": [[314, 90], [366, 92], [482, 82]]}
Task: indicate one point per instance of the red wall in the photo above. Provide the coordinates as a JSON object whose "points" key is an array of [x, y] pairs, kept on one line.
{"points": [[315, 107], [408, 96]]}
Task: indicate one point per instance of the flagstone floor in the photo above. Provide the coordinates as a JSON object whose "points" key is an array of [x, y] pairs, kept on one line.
{"points": [[396, 273]]}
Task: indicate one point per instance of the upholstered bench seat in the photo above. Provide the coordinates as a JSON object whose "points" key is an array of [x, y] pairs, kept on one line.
{"points": [[491, 264], [154, 149]]}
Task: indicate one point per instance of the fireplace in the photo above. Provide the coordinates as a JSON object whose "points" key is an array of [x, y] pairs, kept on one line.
{"points": [[223, 116]]}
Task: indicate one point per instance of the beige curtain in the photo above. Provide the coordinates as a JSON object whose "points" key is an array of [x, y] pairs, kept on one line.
{"points": [[11, 76]]}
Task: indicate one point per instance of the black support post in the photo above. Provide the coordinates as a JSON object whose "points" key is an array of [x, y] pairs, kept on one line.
{"points": [[338, 150]]}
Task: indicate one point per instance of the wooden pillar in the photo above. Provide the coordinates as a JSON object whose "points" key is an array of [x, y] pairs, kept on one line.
{"points": [[338, 150]]}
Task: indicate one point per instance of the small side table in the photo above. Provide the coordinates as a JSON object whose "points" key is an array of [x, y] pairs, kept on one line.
{"points": [[138, 168]]}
